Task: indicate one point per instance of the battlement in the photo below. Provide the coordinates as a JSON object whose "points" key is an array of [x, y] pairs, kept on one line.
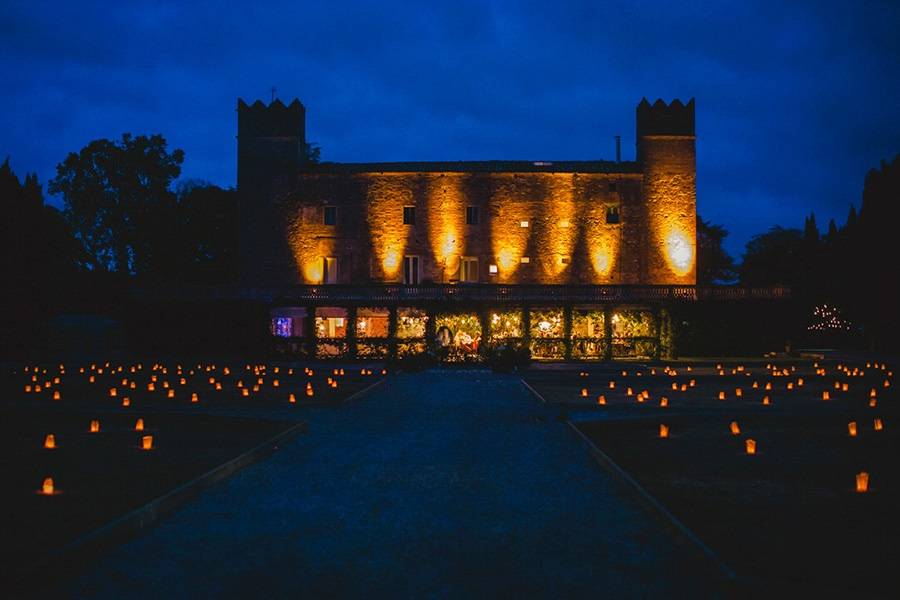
{"points": [[273, 120], [660, 118]]}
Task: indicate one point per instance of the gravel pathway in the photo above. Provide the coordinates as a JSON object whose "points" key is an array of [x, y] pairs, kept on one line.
{"points": [[435, 484]]}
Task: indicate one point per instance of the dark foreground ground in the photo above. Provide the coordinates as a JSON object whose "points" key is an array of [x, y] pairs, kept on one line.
{"points": [[785, 518], [446, 483], [99, 476]]}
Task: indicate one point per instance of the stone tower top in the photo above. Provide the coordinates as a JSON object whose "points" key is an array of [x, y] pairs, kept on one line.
{"points": [[660, 118]]}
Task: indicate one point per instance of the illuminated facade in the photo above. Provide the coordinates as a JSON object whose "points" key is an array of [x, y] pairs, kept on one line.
{"points": [[504, 222], [333, 234]]}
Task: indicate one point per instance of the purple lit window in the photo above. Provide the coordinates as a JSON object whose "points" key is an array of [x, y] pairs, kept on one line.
{"points": [[281, 326]]}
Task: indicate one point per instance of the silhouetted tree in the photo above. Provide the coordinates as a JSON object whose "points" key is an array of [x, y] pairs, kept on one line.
{"points": [[207, 219], [117, 199], [773, 258], [313, 153], [714, 264]]}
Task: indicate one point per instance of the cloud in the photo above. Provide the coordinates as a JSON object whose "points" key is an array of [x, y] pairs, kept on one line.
{"points": [[795, 101]]}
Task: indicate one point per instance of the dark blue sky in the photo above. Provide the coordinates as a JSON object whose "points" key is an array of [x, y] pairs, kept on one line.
{"points": [[795, 100]]}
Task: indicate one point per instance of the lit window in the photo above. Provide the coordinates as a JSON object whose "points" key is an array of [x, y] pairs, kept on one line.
{"points": [[471, 215], [525, 260], [564, 260], [411, 270], [523, 223], [492, 269], [281, 326], [330, 215], [612, 214], [564, 223], [409, 215]]}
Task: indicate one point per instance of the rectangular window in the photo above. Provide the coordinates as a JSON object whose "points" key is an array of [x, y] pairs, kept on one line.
{"points": [[409, 215], [471, 215], [565, 260], [523, 224], [411, 270], [330, 215], [330, 270], [469, 269], [612, 214], [525, 260]]}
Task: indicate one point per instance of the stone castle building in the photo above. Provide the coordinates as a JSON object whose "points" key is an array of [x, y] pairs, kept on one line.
{"points": [[571, 258], [502, 222]]}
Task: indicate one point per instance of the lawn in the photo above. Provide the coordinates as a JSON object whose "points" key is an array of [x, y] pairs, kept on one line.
{"points": [[787, 515], [100, 475]]}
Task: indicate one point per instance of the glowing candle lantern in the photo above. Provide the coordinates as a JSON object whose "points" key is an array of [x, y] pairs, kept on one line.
{"points": [[171, 393], [735, 428], [766, 401], [245, 392], [663, 431], [768, 386], [91, 379], [584, 392], [334, 384], [95, 426], [601, 399], [47, 488], [674, 386], [873, 393], [612, 385], [800, 382], [845, 387], [50, 441], [664, 402], [139, 425], [790, 385], [182, 381], [721, 395], [362, 371], [826, 395], [750, 446], [151, 387], [384, 371], [862, 482], [851, 428], [873, 402], [112, 392], [624, 373], [275, 383], [693, 382], [683, 387], [218, 386], [56, 395], [126, 401], [837, 385], [195, 398], [309, 391], [887, 383], [878, 425], [147, 442], [292, 399], [739, 392]]}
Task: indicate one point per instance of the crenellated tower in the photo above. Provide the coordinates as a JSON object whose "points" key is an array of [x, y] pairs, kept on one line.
{"points": [[666, 153], [271, 150]]}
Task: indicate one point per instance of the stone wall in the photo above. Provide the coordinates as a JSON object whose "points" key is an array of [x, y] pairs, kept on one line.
{"points": [[557, 222]]}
